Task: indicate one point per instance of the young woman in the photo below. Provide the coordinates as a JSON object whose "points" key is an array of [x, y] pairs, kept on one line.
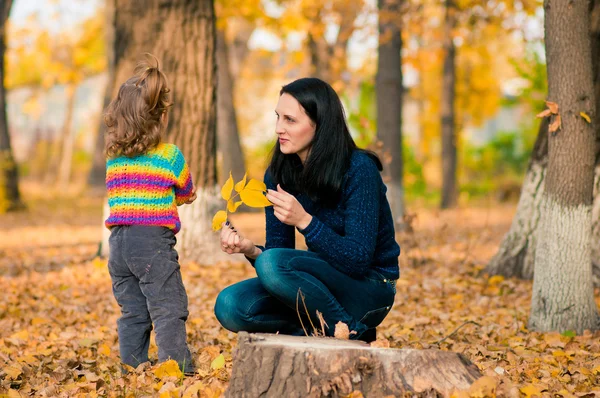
{"points": [[321, 184]]}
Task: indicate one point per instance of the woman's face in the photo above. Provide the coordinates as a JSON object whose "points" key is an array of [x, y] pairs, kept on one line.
{"points": [[294, 128]]}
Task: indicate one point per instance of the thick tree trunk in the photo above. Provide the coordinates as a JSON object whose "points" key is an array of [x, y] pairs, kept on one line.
{"points": [[287, 366], [68, 140], [10, 198], [563, 296], [229, 146], [516, 254], [389, 102], [181, 34], [449, 158]]}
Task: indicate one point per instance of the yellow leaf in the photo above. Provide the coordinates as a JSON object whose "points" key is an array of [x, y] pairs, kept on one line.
{"points": [[496, 279], [104, 349], [585, 116], [254, 198], [256, 185], [240, 185], [226, 190], [219, 219], [12, 372], [483, 387], [232, 206], [99, 263], [168, 368], [192, 391], [218, 362], [531, 391], [22, 335], [13, 394], [39, 321]]}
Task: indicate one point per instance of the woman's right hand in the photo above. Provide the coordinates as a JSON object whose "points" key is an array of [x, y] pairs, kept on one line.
{"points": [[232, 242]]}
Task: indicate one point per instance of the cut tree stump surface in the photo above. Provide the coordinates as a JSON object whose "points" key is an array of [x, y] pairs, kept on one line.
{"points": [[268, 365]]}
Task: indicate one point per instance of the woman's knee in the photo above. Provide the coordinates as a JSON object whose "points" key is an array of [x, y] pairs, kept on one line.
{"points": [[226, 310], [271, 266]]}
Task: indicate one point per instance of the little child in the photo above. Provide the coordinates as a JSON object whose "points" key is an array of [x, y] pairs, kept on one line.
{"points": [[146, 180]]}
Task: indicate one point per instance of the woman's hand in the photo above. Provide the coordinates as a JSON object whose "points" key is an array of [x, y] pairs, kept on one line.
{"points": [[232, 242], [287, 208]]}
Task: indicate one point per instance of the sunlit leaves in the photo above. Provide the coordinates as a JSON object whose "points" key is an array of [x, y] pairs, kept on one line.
{"points": [[250, 193]]}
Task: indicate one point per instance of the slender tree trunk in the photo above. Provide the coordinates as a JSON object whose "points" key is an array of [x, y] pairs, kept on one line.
{"points": [[229, 146], [10, 198], [181, 33], [68, 139], [449, 158], [563, 296], [97, 176], [389, 101]]}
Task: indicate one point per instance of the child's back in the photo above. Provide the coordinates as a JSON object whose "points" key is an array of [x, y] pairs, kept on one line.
{"points": [[146, 189]]}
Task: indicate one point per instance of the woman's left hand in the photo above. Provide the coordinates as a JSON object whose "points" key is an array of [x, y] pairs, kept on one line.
{"points": [[287, 208]]}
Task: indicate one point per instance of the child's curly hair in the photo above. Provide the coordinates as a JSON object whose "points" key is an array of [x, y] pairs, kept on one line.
{"points": [[135, 117]]}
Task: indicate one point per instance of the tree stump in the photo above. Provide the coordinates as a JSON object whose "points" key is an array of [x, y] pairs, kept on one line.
{"points": [[267, 365]]}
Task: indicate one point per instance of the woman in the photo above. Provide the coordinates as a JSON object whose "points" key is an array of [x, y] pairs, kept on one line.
{"points": [[332, 192]]}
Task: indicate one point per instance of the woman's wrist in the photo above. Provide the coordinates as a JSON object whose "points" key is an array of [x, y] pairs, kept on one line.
{"points": [[304, 222], [254, 252]]}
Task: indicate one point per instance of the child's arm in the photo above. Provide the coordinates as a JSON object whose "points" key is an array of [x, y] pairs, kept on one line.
{"points": [[184, 187]]}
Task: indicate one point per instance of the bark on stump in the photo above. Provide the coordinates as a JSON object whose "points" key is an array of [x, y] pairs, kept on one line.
{"points": [[267, 365]]}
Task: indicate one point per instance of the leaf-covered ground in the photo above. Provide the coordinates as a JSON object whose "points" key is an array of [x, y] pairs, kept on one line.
{"points": [[58, 316]]}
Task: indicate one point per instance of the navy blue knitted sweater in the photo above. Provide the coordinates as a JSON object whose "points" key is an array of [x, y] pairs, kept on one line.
{"points": [[356, 234]]}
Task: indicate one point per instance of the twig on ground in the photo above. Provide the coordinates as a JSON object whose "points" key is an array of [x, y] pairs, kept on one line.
{"points": [[455, 330]]}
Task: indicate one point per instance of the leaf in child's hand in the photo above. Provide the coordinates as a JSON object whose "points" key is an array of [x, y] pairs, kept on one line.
{"points": [[254, 198], [219, 219], [226, 190], [256, 185], [232, 206], [240, 185]]}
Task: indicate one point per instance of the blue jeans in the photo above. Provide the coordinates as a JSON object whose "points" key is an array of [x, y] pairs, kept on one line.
{"points": [[268, 304], [144, 269]]}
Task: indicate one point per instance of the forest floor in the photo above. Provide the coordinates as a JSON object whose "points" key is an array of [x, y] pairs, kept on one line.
{"points": [[58, 315]]}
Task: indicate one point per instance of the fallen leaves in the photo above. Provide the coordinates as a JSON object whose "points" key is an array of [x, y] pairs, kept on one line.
{"points": [[58, 322]]}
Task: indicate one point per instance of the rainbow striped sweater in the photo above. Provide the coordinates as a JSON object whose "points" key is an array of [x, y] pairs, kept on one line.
{"points": [[146, 189]]}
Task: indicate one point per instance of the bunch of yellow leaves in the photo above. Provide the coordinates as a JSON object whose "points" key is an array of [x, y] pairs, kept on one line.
{"points": [[250, 193]]}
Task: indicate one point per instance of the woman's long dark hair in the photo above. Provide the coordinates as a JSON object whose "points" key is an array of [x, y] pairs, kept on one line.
{"points": [[328, 159]]}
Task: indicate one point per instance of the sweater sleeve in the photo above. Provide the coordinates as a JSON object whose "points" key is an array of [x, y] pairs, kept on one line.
{"points": [[184, 186], [353, 252], [279, 235]]}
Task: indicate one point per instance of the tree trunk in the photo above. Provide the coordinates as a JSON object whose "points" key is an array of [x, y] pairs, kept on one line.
{"points": [[10, 198], [449, 186], [389, 102], [181, 34], [229, 146], [563, 295], [97, 176], [68, 140], [515, 257], [287, 366]]}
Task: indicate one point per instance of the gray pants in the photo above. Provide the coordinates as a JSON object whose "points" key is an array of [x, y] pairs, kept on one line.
{"points": [[147, 285]]}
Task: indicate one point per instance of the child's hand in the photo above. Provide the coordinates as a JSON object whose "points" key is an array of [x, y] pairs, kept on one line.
{"points": [[232, 242], [191, 198]]}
